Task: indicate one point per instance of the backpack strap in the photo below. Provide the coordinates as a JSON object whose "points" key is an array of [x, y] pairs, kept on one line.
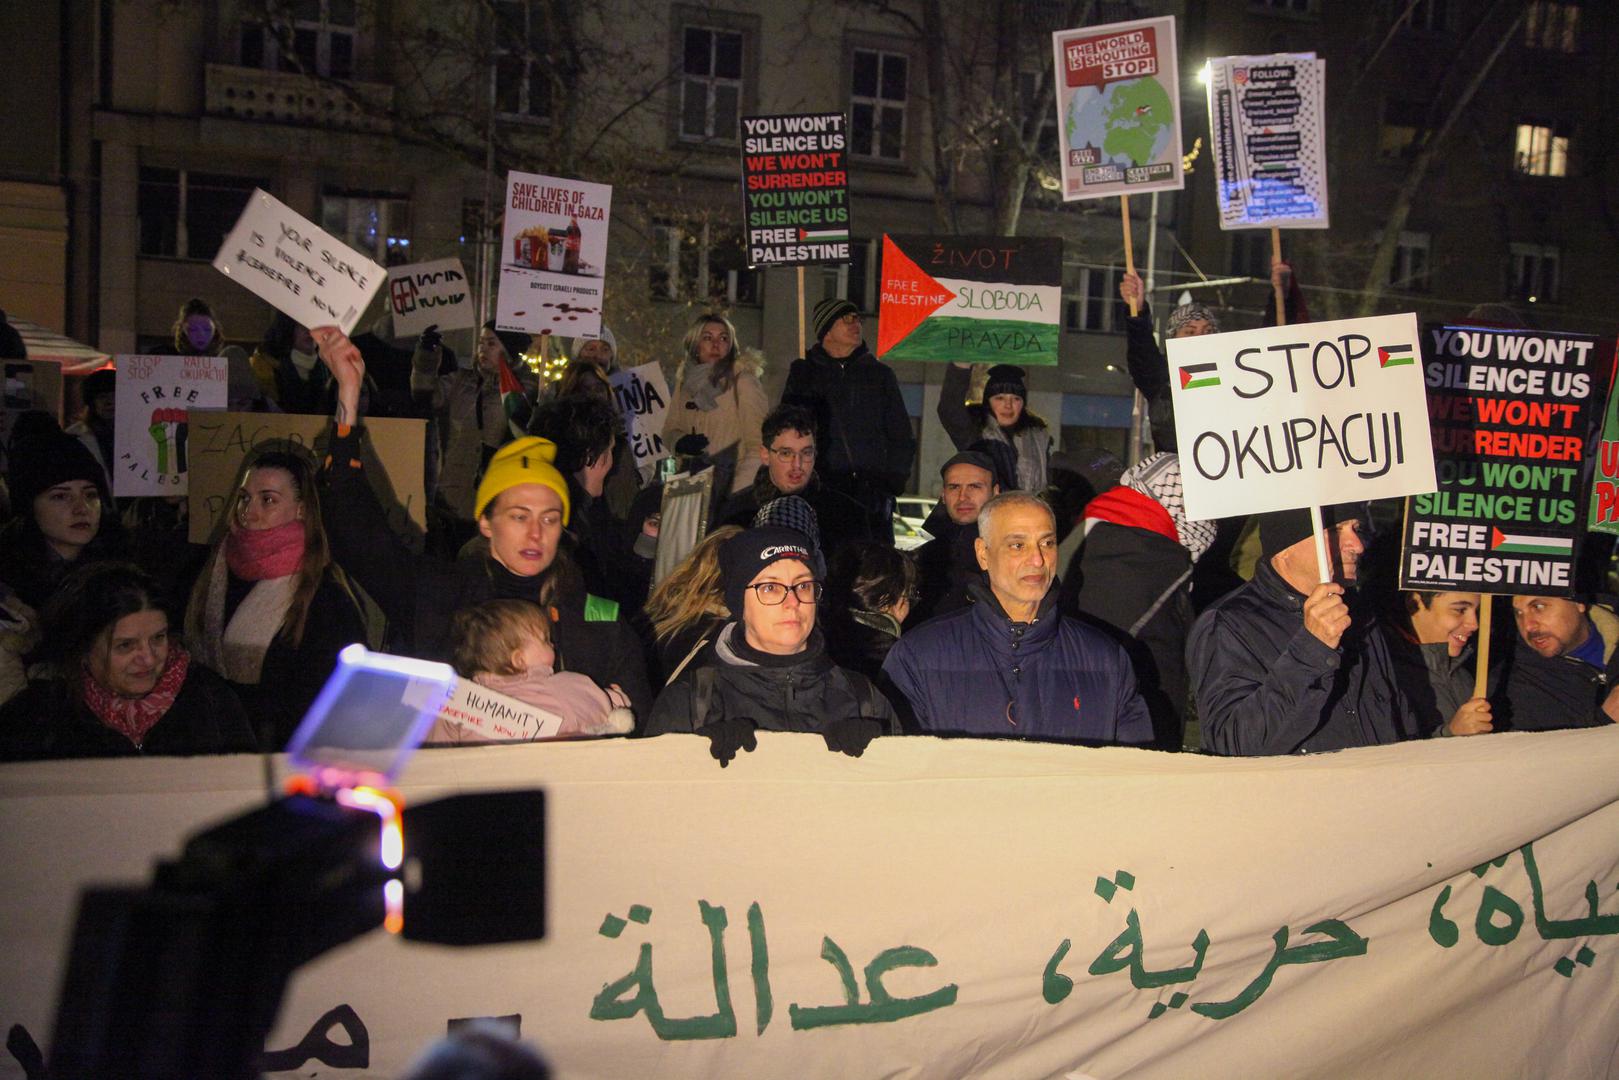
{"points": [[695, 649], [702, 692]]}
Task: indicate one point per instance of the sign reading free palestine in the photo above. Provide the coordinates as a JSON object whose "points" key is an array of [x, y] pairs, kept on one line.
{"points": [[795, 189]]}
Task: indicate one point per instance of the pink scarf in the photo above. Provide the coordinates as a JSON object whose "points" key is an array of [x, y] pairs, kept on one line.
{"points": [[134, 717], [258, 554]]}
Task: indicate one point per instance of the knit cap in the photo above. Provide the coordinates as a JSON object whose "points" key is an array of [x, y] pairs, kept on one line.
{"points": [[1006, 379], [43, 458], [1281, 529], [829, 311], [603, 334], [521, 461], [746, 555]]}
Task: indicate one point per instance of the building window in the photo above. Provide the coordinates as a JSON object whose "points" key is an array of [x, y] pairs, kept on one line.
{"points": [[1094, 305], [522, 83], [314, 36], [1401, 122], [1533, 271], [1250, 254], [1410, 269], [711, 84], [878, 91], [375, 225], [186, 215], [698, 261], [1542, 150], [1552, 25], [1425, 15]]}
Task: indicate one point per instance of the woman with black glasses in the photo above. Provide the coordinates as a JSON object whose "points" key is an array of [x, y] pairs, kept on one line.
{"points": [[769, 671]]}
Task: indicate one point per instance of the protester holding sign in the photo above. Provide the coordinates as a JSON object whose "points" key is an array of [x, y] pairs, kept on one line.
{"points": [[719, 399], [521, 506], [271, 610], [1431, 641], [1002, 420]]}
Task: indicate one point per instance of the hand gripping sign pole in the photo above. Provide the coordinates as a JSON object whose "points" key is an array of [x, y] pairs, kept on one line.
{"points": [[1129, 250]]}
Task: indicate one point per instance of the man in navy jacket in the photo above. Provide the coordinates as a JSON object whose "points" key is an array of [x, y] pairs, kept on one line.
{"points": [[1010, 664]]}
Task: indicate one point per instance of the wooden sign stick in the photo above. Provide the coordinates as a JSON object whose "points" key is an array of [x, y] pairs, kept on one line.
{"points": [[1129, 248]]}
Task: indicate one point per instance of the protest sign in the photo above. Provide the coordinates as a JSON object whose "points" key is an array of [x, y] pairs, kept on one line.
{"points": [[555, 245], [1267, 125], [30, 386], [430, 294], [1604, 515], [472, 709], [1298, 416], [643, 400], [296, 266], [1118, 109], [1511, 411], [991, 299], [152, 431], [795, 189], [221, 442], [849, 941]]}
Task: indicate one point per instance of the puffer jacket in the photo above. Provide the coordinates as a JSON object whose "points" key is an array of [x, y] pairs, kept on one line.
{"points": [[978, 672], [1266, 685], [802, 692]]}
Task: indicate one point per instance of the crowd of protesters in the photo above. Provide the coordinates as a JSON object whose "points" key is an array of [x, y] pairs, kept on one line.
{"points": [[1059, 597]]}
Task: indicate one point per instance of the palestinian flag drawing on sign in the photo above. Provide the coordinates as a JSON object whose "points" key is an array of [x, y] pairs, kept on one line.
{"points": [[972, 299], [1507, 543], [1394, 356], [1197, 376]]}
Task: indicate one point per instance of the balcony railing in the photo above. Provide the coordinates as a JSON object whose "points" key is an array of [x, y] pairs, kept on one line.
{"points": [[288, 98]]}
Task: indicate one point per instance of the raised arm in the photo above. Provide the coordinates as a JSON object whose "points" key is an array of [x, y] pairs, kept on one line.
{"points": [[952, 411]]}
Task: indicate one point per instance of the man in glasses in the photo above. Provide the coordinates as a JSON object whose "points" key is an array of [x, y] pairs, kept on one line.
{"points": [[1010, 665], [788, 452]]}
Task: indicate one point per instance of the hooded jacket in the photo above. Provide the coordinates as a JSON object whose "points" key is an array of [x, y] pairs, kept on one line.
{"points": [[864, 427], [1266, 685], [978, 672], [802, 692]]}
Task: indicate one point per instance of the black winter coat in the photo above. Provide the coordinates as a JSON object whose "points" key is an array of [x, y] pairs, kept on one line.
{"points": [[1561, 692], [842, 521], [46, 722], [864, 429], [1266, 685], [946, 566], [420, 594]]}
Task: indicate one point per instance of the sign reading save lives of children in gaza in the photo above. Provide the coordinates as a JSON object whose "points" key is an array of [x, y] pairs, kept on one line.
{"points": [[977, 299], [554, 255], [1511, 411], [1296, 416], [795, 189]]}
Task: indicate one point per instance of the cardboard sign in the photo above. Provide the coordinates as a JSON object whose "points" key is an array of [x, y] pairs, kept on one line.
{"points": [[152, 430], [1511, 413], [296, 266], [1605, 483], [1118, 109], [1267, 124], [430, 294], [643, 400], [221, 442], [495, 716], [1164, 945], [1296, 416], [990, 299], [795, 189], [554, 255]]}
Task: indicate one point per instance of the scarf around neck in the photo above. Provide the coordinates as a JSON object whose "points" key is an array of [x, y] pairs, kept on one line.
{"points": [[134, 717], [257, 554]]}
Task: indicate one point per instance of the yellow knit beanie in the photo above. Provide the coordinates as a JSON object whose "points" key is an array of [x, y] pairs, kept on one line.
{"points": [[521, 461]]}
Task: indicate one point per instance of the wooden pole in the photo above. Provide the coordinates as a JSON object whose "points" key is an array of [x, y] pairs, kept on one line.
{"points": [[1276, 257], [1129, 247], [1482, 677], [1323, 565], [802, 351]]}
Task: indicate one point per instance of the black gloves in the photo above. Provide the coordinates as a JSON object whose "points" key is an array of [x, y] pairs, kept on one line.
{"points": [[693, 445], [430, 339], [726, 737], [851, 735]]}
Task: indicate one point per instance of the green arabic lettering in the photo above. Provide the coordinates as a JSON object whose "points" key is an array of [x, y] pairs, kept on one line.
{"points": [[612, 1004], [1441, 929], [1054, 986], [1593, 925], [1494, 901], [1344, 943], [763, 1003], [1125, 951], [883, 1007]]}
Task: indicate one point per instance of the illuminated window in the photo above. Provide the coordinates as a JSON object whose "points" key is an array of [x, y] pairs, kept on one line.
{"points": [[1551, 25], [1540, 151], [376, 225]]}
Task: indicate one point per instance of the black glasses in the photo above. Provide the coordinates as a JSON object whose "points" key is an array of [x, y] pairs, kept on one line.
{"points": [[774, 593]]}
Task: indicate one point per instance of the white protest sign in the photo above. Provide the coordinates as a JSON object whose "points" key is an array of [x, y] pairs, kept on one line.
{"points": [[1267, 119], [643, 400], [486, 714], [554, 247], [1296, 416], [939, 917], [430, 294], [151, 430], [298, 268]]}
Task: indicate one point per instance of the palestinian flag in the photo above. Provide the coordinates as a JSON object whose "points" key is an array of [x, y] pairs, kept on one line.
{"points": [[1509, 544], [1197, 376], [514, 401], [823, 235], [1394, 356]]}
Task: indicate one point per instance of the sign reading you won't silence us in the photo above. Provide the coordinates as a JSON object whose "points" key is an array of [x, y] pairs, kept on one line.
{"points": [[795, 189], [1296, 416], [1511, 412]]}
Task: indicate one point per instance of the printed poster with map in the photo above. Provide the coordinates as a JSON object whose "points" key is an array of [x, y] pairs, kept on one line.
{"points": [[1118, 109], [1267, 119], [973, 299]]}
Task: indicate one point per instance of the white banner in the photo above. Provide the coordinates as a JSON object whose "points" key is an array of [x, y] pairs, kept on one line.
{"points": [[430, 294], [945, 908], [1295, 416], [1268, 122], [643, 400], [151, 430], [554, 255], [296, 266]]}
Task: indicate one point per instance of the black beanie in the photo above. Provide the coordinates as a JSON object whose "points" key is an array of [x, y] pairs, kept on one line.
{"points": [[41, 461], [1281, 529], [515, 342], [976, 458], [743, 557], [829, 311], [1005, 379]]}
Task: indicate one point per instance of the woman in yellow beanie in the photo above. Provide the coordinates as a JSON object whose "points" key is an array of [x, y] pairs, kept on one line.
{"points": [[521, 506]]}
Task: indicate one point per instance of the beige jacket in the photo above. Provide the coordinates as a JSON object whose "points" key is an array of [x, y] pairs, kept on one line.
{"points": [[734, 422]]}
